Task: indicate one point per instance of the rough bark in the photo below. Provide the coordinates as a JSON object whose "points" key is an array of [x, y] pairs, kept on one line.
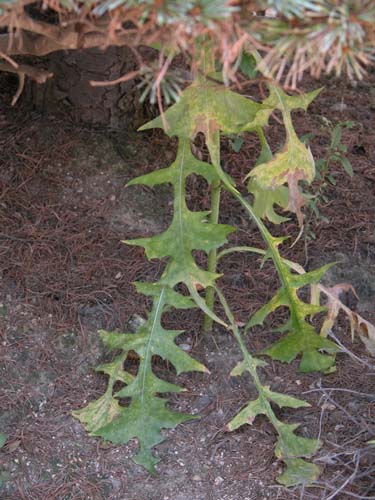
{"points": [[114, 106]]}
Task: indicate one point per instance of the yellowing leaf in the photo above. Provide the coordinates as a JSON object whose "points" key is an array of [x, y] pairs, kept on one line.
{"points": [[210, 108], [265, 199], [278, 99], [99, 412], [207, 107], [103, 410], [292, 164], [295, 161], [242, 366], [298, 471], [290, 445]]}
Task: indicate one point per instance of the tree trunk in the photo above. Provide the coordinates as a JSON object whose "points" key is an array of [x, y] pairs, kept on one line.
{"points": [[116, 106]]}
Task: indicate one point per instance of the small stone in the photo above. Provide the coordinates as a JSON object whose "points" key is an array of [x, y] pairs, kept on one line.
{"points": [[118, 276], [353, 405], [202, 401], [185, 347], [135, 322], [218, 480], [339, 106], [328, 406], [116, 483], [113, 197], [197, 478]]}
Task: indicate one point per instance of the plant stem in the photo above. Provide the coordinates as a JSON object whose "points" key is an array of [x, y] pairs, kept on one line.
{"points": [[212, 256], [207, 65], [250, 361]]}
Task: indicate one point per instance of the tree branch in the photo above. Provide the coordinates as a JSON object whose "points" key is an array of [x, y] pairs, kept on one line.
{"points": [[24, 22], [26, 43], [37, 74]]}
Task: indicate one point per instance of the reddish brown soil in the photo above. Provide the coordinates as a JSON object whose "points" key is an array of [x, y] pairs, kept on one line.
{"points": [[65, 273]]}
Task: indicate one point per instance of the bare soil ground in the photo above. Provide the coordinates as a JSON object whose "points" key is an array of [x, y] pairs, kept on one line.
{"points": [[64, 210]]}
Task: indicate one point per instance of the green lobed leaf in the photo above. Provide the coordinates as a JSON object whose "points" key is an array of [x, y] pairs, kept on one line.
{"points": [[147, 384], [278, 300], [150, 340], [191, 231], [284, 400], [289, 445], [298, 471], [310, 277], [172, 298], [188, 231], [146, 413], [247, 414], [307, 342], [301, 337], [185, 163], [260, 406], [242, 366], [115, 370], [143, 419]]}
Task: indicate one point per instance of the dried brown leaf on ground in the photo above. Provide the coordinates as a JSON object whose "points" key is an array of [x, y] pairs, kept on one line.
{"points": [[364, 328]]}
